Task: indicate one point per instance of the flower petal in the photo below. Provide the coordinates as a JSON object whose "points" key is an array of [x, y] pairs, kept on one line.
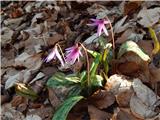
{"points": [[105, 30], [99, 31], [50, 56]]}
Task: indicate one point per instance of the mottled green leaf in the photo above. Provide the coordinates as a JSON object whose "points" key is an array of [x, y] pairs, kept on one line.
{"points": [[60, 80], [63, 110]]}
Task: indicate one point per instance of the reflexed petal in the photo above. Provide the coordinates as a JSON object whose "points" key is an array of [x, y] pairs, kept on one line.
{"points": [[59, 57], [105, 30], [70, 48], [50, 56], [99, 31], [106, 22], [92, 24]]}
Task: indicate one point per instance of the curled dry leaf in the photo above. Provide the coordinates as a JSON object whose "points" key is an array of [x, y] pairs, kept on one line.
{"points": [[143, 103], [96, 114], [102, 99], [118, 83]]}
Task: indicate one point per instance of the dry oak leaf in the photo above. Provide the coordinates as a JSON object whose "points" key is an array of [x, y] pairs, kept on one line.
{"points": [[102, 99]]}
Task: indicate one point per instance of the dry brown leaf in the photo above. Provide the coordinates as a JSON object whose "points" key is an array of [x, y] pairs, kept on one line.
{"points": [[17, 100], [132, 65], [6, 35], [16, 13], [120, 26], [124, 36], [45, 113], [131, 6], [95, 9], [123, 98], [118, 83], [96, 114], [143, 103], [20, 103], [102, 99], [79, 111], [32, 62], [124, 114], [146, 45], [55, 101], [54, 39], [148, 17], [9, 113], [154, 73], [13, 23]]}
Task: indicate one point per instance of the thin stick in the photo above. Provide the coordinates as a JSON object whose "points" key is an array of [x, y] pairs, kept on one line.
{"points": [[88, 75]]}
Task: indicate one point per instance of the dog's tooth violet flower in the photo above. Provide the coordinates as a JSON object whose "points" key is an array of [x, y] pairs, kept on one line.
{"points": [[53, 55], [73, 54], [101, 25]]}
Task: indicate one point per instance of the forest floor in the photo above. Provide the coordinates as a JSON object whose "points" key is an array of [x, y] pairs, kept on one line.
{"points": [[30, 30]]}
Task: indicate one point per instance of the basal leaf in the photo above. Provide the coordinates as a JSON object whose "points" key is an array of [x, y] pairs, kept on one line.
{"points": [[95, 64], [63, 110], [130, 46], [74, 91], [60, 79], [96, 81]]}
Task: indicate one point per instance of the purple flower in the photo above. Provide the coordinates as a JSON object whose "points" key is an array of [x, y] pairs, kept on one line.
{"points": [[101, 25], [73, 53], [53, 55]]}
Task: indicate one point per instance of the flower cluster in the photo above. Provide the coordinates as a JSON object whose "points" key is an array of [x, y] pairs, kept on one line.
{"points": [[73, 53]]}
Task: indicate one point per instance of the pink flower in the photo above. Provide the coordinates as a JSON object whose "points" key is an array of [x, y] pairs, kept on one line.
{"points": [[101, 25], [73, 53], [53, 55]]}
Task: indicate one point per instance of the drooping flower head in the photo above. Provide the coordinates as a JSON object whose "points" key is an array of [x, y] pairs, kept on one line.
{"points": [[73, 53], [101, 25], [53, 55]]}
